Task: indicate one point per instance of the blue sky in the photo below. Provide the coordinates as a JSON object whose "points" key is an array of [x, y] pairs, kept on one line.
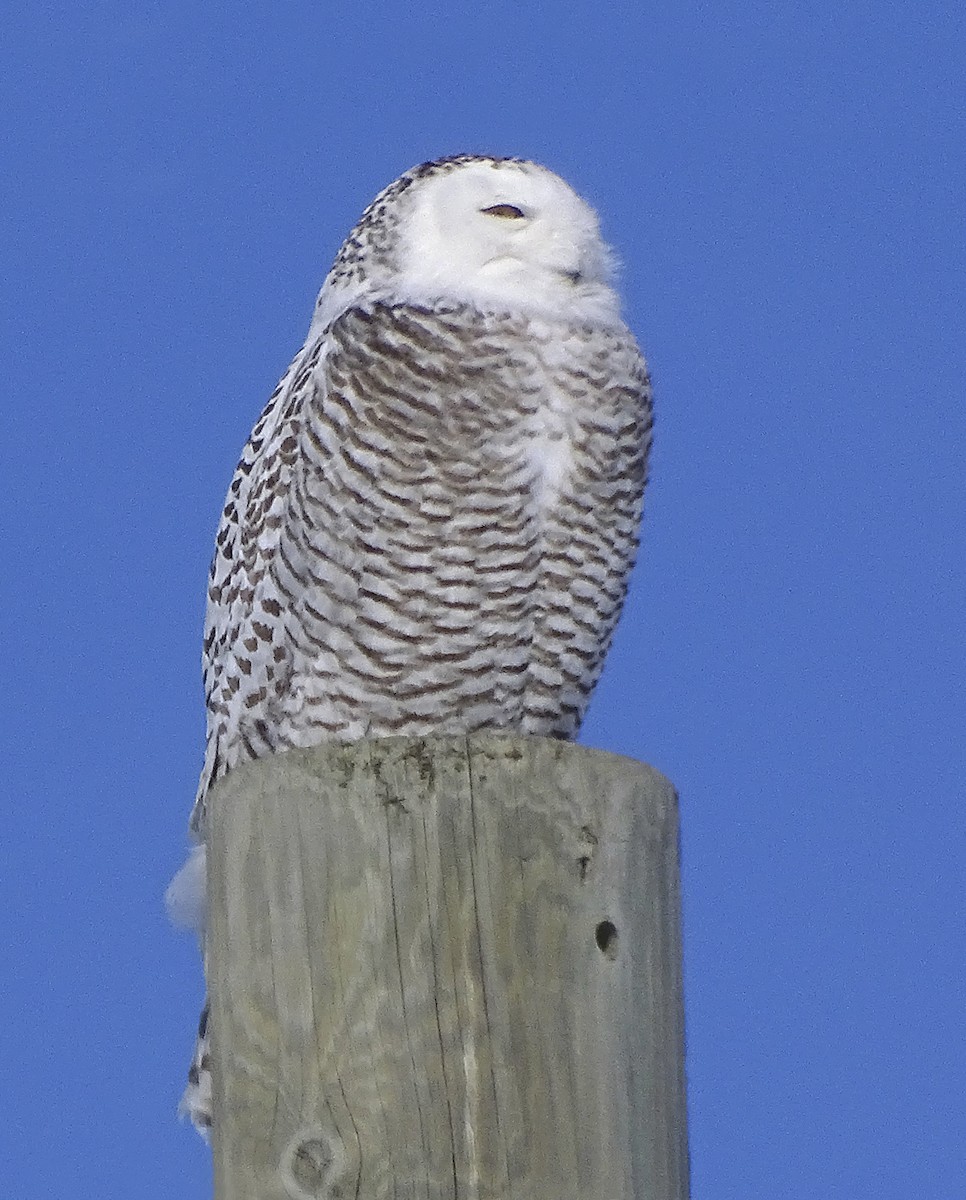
{"points": [[784, 186]]}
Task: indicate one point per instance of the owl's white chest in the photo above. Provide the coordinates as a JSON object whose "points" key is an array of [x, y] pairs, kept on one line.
{"points": [[551, 451], [555, 425]]}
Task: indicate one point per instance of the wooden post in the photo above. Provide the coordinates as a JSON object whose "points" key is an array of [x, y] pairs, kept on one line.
{"points": [[446, 968]]}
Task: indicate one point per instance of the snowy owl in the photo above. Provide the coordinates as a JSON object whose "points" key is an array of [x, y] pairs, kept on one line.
{"points": [[432, 525]]}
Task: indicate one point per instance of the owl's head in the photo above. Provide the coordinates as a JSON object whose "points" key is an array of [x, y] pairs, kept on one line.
{"points": [[504, 235]]}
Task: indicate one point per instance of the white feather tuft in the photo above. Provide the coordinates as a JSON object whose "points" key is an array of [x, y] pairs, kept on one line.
{"points": [[186, 898]]}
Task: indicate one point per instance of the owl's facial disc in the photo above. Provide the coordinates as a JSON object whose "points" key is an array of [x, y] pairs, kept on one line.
{"points": [[509, 233]]}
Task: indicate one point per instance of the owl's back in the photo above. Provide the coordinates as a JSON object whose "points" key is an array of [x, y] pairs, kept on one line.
{"points": [[430, 532]]}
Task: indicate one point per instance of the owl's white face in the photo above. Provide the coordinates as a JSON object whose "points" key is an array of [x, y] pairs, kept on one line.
{"points": [[501, 235], [512, 236]]}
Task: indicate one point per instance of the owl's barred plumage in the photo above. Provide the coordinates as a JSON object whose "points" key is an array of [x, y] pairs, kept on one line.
{"points": [[431, 528]]}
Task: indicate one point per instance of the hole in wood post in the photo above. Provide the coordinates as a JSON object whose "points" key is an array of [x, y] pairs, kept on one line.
{"points": [[606, 938]]}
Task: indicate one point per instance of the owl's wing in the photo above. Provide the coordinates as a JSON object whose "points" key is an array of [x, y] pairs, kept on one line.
{"points": [[244, 652]]}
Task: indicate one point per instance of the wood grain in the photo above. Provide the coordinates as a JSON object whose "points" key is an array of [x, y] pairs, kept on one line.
{"points": [[446, 967]]}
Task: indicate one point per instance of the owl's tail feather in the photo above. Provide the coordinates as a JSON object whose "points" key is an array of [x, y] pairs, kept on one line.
{"points": [[196, 1101], [186, 903]]}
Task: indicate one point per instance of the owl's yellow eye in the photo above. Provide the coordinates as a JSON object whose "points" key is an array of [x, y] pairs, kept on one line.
{"points": [[504, 210]]}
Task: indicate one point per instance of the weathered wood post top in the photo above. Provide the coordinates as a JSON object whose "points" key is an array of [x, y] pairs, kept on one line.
{"points": [[446, 968]]}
